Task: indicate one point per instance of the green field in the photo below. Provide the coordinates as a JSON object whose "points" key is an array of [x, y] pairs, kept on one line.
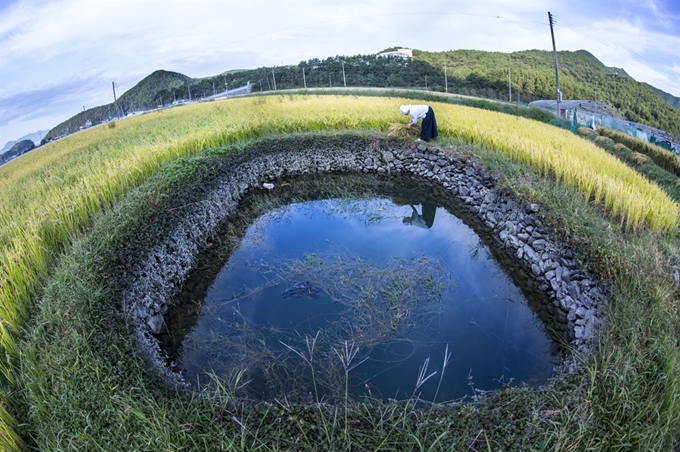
{"points": [[71, 209]]}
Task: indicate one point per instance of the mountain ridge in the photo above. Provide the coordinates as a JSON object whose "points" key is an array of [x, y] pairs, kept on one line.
{"points": [[36, 137], [472, 72]]}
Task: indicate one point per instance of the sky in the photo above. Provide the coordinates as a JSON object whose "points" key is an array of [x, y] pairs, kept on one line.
{"points": [[58, 56]]}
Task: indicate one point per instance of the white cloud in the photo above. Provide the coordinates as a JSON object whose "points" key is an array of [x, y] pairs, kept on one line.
{"points": [[47, 43]]}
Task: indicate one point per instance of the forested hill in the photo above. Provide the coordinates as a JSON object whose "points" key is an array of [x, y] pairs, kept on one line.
{"points": [[143, 96], [669, 98], [471, 72], [582, 76]]}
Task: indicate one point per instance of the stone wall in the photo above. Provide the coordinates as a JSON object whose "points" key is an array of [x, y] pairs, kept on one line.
{"points": [[576, 299]]}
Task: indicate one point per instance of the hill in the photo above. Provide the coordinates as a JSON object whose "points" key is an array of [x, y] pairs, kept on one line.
{"points": [[20, 147], [582, 76], [669, 98], [470, 72], [36, 137]]}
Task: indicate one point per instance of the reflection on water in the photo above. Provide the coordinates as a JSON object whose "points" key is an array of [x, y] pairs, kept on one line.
{"points": [[321, 289]]}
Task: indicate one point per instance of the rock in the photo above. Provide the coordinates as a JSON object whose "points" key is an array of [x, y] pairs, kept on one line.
{"points": [[530, 254], [566, 302], [555, 285], [573, 290], [538, 245], [530, 207], [155, 323], [579, 332], [571, 317]]}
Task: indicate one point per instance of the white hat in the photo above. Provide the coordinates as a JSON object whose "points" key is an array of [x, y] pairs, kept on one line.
{"points": [[404, 109]]}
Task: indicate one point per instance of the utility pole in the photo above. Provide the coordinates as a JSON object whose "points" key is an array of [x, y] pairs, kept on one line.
{"points": [[115, 102], [330, 84], [304, 80], [446, 81], [426, 82], [273, 79], [344, 81], [189, 88], [509, 87], [225, 83], [557, 72], [214, 92]]}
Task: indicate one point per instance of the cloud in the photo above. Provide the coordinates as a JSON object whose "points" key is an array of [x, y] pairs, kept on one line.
{"points": [[47, 100], [46, 40]]}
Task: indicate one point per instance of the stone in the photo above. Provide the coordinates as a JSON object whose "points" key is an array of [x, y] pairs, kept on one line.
{"points": [[571, 317], [538, 245], [573, 290], [586, 301], [560, 316], [566, 302], [531, 207], [388, 156], [579, 332], [566, 274], [155, 323], [530, 254], [555, 285]]}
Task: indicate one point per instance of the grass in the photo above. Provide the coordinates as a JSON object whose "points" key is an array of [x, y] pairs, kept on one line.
{"points": [[644, 164], [78, 383], [666, 159], [85, 388]]}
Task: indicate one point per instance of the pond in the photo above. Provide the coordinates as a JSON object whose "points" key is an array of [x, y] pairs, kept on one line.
{"points": [[357, 286]]}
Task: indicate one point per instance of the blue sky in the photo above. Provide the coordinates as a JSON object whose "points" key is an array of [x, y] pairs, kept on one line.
{"points": [[58, 56]]}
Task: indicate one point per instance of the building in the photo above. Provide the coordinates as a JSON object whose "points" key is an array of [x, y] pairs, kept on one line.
{"points": [[400, 53]]}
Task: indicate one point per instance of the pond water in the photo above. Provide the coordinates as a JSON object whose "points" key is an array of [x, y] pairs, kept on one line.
{"points": [[367, 292]]}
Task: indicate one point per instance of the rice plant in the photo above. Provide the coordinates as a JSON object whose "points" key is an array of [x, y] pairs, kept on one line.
{"points": [[52, 193]]}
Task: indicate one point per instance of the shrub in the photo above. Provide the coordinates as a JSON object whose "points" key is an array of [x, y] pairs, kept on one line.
{"points": [[665, 159]]}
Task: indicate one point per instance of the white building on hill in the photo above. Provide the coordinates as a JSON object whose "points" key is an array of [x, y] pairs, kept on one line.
{"points": [[401, 53]]}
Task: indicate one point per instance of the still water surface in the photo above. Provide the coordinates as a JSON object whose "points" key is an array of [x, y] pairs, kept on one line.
{"points": [[378, 289]]}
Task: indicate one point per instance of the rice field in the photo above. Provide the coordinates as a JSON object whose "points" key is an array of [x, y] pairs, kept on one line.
{"points": [[52, 193]]}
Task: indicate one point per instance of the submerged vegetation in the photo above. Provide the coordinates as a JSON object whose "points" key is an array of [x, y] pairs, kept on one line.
{"points": [[73, 379]]}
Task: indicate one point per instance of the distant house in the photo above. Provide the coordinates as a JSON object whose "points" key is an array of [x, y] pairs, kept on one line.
{"points": [[400, 53]]}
